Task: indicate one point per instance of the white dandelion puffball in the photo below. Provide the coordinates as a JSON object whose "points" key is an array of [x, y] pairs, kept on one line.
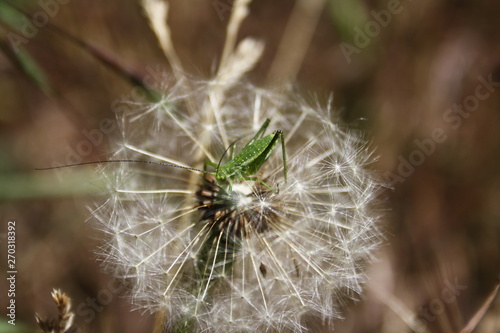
{"points": [[242, 250]]}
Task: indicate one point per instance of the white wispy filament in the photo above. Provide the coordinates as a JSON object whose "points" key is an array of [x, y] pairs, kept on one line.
{"points": [[243, 257]]}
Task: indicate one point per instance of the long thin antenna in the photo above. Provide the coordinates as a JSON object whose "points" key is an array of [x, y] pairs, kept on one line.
{"points": [[124, 161]]}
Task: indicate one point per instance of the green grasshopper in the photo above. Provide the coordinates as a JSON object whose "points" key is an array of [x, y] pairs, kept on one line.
{"points": [[251, 158], [243, 166]]}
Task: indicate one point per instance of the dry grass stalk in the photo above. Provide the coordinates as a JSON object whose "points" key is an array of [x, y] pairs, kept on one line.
{"points": [[474, 321], [65, 320], [157, 13], [240, 11], [235, 62], [295, 41]]}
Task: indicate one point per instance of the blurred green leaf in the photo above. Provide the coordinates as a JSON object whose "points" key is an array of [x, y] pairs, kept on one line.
{"points": [[27, 65], [14, 19], [11, 17], [32, 70], [5, 327], [46, 184], [347, 15]]}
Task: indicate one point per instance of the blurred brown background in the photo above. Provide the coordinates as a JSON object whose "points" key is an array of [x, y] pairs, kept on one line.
{"points": [[417, 76]]}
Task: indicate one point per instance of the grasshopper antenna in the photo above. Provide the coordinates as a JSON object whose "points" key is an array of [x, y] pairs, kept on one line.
{"points": [[123, 161]]}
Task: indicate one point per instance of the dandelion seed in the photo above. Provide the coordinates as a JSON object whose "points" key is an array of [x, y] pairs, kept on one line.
{"points": [[241, 257]]}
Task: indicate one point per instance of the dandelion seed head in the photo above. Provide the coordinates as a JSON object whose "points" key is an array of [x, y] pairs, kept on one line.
{"points": [[239, 255]]}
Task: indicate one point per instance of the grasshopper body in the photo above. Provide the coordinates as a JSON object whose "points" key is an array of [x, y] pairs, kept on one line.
{"points": [[251, 158]]}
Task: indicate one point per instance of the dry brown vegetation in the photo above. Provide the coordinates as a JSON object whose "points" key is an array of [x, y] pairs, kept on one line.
{"points": [[404, 88]]}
